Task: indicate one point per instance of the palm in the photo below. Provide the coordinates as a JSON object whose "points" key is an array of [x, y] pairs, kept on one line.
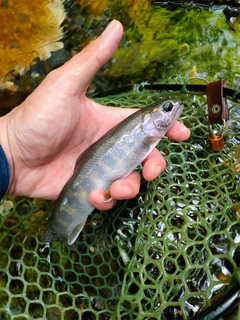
{"points": [[53, 135]]}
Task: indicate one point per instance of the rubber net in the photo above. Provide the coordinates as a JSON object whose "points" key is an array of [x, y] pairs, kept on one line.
{"points": [[167, 254]]}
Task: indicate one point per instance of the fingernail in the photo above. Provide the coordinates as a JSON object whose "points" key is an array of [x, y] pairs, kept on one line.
{"points": [[109, 28]]}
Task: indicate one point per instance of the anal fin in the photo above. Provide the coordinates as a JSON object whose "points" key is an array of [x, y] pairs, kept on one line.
{"points": [[74, 233]]}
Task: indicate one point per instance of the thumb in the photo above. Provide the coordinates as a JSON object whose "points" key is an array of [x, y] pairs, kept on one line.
{"points": [[84, 65]]}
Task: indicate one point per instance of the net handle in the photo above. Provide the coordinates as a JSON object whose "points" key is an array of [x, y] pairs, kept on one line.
{"points": [[182, 88]]}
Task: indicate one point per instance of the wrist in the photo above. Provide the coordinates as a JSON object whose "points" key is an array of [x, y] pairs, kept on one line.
{"points": [[5, 161]]}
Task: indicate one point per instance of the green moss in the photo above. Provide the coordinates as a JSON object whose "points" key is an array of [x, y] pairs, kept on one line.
{"points": [[162, 44], [142, 58], [159, 44]]}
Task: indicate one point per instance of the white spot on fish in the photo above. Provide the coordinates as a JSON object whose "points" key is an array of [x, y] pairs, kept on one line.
{"points": [[65, 201]]}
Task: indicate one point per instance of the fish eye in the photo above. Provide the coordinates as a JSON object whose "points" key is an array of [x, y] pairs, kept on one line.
{"points": [[167, 106]]}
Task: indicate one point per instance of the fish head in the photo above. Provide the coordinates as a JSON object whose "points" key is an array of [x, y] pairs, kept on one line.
{"points": [[161, 117], [166, 114]]}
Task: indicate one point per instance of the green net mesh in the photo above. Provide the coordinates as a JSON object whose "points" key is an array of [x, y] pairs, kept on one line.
{"points": [[168, 253]]}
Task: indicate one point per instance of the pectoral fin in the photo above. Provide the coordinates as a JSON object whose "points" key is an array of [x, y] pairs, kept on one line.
{"points": [[108, 197], [74, 233], [153, 139]]}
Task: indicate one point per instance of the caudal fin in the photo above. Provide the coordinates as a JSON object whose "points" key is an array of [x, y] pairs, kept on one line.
{"points": [[50, 236]]}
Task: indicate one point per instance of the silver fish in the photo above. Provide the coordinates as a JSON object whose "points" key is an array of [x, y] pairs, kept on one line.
{"points": [[111, 158]]}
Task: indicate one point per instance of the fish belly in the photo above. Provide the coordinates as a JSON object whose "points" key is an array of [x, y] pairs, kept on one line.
{"points": [[105, 164]]}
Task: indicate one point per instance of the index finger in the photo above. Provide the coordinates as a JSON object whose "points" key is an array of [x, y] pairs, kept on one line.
{"points": [[154, 164], [178, 132]]}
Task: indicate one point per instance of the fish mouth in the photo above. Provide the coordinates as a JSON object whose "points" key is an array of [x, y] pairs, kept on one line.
{"points": [[181, 108], [178, 111]]}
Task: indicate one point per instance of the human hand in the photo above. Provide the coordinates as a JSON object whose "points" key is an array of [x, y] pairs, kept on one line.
{"points": [[43, 137]]}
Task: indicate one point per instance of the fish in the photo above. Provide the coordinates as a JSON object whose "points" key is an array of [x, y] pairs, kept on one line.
{"points": [[114, 156]]}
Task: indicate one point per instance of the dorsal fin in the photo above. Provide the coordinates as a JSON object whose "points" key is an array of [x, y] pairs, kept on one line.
{"points": [[85, 152], [81, 157]]}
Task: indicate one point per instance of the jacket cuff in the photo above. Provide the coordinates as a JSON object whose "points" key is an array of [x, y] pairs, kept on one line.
{"points": [[4, 173]]}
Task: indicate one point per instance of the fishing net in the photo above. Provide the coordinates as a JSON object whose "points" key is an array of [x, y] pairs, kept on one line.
{"points": [[170, 253]]}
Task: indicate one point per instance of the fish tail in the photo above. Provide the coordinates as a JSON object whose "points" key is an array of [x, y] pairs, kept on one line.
{"points": [[50, 236]]}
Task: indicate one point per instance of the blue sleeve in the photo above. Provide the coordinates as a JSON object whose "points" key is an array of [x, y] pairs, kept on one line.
{"points": [[4, 173]]}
